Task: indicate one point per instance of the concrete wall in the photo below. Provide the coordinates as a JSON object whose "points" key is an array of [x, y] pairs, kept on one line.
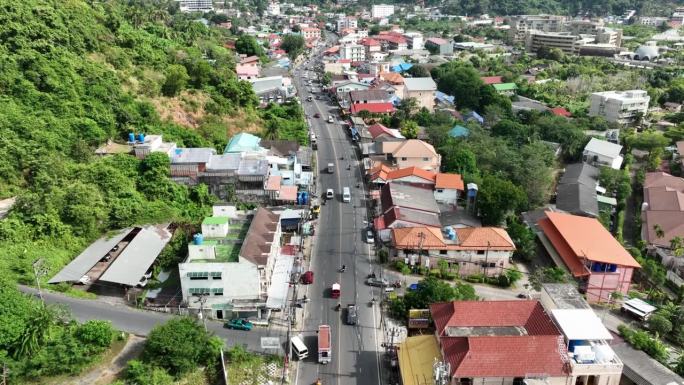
{"points": [[448, 196], [600, 285], [424, 98]]}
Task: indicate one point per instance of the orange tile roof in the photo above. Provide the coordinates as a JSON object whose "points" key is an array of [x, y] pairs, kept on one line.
{"points": [[413, 148], [411, 171], [411, 237], [494, 238], [575, 238], [451, 181], [288, 193], [273, 183], [392, 77]]}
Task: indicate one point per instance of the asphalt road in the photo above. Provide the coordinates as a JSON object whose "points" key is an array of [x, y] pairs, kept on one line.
{"points": [[140, 322], [355, 349]]}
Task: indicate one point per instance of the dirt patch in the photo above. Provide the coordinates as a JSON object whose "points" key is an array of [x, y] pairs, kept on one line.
{"points": [[243, 121], [186, 109]]}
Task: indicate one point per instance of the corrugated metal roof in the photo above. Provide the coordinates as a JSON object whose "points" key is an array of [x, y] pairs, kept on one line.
{"points": [[138, 256], [85, 261], [420, 84], [192, 155]]}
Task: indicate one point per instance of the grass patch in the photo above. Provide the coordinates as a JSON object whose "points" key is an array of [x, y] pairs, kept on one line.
{"points": [[246, 368], [198, 377]]}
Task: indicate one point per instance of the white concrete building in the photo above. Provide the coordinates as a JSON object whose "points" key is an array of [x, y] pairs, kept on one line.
{"points": [[619, 106], [415, 40], [195, 5], [519, 25], [380, 11], [273, 8], [353, 52], [602, 153], [345, 22], [235, 278]]}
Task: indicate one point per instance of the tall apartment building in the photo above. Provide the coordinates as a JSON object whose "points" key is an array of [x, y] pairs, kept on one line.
{"points": [[196, 5], [345, 22], [619, 106], [353, 52], [380, 11], [519, 25], [612, 36]]}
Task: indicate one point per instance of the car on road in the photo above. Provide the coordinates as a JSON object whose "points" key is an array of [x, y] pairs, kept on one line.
{"points": [[307, 278], [317, 115], [310, 98], [352, 314], [370, 237], [377, 282], [329, 194], [331, 119], [239, 324]]}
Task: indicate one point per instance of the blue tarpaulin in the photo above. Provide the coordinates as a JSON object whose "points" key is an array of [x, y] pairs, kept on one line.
{"points": [[401, 67], [472, 115], [458, 132]]}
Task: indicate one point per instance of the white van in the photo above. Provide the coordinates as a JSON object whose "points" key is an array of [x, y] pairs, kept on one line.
{"points": [[298, 348], [346, 195]]}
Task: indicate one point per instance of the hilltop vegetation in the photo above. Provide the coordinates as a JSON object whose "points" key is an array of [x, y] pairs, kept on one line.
{"points": [[76, 73]]}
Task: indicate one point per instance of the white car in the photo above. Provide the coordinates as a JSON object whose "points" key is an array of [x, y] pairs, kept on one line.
{"points": [[331, 119], [329, 194], [370, 238]]}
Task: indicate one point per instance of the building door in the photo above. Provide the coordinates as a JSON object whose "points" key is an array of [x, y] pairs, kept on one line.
{"points": [[219, 314]]}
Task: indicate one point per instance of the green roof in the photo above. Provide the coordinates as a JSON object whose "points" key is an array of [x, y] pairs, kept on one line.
{"points": [[505, 86], [607, 200], [215, 221], [243, 142]]}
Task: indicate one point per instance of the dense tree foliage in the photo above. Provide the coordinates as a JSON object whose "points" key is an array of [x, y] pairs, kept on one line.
{"points": [[293, 45], [38, 341], [95, 72], [431, 290]]}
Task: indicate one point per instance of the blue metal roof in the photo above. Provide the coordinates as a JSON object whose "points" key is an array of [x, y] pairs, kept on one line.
{"points": [[243, 142], [459, 132]]}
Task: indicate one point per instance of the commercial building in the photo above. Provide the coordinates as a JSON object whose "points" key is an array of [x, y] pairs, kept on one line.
{"points": [[414, 40], [380, 11], [353, 52], [310, 33], [521, 24], [565, 41], [581, 245], [619, 106], [439, 46], [345, 22], [235, 275], [196, 5]]}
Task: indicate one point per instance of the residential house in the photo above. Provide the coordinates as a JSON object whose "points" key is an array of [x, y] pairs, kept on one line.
{"points": [[603, 153], [469, 250], [373, 108], [507, 89], [448, 188], [414, 40], [353, 52], [371, 46], [583, 246], [250, 61], [246, 72], [369, 96], [391, 41], [311, 33], [422, 89], [499, 342], [578, 191], [624, 107], [234, 276], [380, 133], [345, 22], [439, 46], [412, 152], [188, 163], [491, 80], [343, 88], [269, 88]]}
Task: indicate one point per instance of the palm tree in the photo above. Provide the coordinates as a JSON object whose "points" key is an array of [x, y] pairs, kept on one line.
{"points": [[659, 233]]}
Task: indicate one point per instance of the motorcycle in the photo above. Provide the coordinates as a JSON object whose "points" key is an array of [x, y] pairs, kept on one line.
{"points": [[338, 307], [343, 269], [396, 284]]}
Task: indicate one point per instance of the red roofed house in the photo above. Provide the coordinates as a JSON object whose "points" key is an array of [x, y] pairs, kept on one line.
{"points": [[591, 254], [371, 46], [448, 188], [560, 111], [373, 108], [411, 152], [381, 133], [500, 342], [489, 80], [471, 250]]}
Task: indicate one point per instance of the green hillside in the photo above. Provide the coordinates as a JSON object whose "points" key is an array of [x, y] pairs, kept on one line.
{"points": [[76, 73]]}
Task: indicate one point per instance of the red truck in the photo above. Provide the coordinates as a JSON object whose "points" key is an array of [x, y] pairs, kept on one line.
{"points": [[324, 340]]}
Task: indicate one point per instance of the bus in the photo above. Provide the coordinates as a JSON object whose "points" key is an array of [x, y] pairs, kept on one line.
{"points": [[298, 348]]}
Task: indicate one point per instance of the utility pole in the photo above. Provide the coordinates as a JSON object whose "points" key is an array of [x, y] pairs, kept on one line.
{"points": [[486, 260], [39, 271], [202, 300], [5, 373]]}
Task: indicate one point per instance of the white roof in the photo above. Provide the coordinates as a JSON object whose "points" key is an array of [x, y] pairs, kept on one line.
{"points": [[280, 282], [420, 84], [639, 306], [602, 147], [581, 324]]}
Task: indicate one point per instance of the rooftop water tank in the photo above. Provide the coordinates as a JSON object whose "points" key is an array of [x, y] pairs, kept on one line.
{"points": [[141, 138], [131, 137], [198, 238]]}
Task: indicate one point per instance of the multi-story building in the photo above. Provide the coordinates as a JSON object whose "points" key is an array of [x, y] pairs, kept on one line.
{"points": [[353, 52], [520, 25], [653, 21], [345, 22], [234, 277], [619, 106], [311, 33], [584, 27], [565, 41], [610, 36], [439, 46], [196, 5], [371, 45], [583, 246], [411, 153], [273, 8], [422, 89], [414, 40], [380, 11]]}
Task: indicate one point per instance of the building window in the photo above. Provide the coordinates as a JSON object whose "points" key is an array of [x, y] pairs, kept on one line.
{"points": [[426, 159], [197, 275], [442, 252], [403, 159], [439, 190], [215, 275], [217, 291], [480, 252], [198, 290]]}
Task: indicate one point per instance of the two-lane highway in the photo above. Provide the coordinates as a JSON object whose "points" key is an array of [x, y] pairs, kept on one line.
{"points": [[340, 241]]}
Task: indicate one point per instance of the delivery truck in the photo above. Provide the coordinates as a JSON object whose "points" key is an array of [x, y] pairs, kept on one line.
{"points": [[324, 351]]}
